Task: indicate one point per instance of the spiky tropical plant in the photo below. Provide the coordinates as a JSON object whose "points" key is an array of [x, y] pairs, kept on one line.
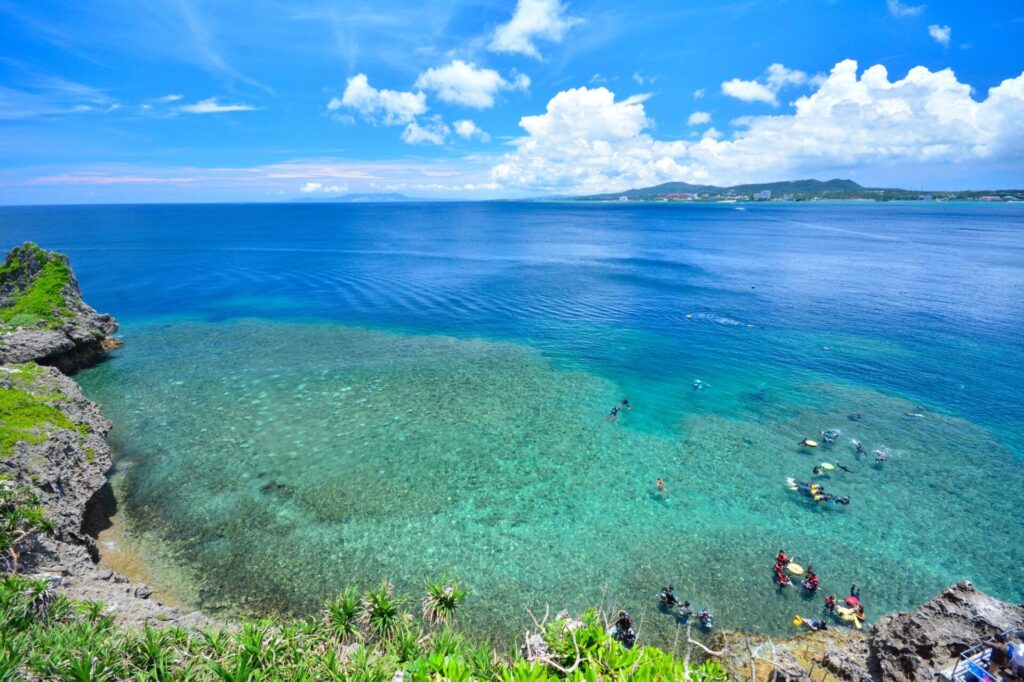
{"points": [[381, 614], [343, 613], [442, 598]]}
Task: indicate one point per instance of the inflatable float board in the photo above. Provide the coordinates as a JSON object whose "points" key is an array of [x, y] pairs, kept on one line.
{"points": [[849, 615], [795, 569], [798, 620], [810, 443], [826, 466]]}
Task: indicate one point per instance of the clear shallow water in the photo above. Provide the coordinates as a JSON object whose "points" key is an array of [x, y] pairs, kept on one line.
{"points": [[312, 396]]}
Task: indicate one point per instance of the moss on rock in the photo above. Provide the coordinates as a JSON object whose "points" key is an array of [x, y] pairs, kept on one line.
{"points": [[27, 409], [34, 285]]}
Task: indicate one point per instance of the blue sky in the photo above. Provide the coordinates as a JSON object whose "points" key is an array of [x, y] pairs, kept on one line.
{"points": [[274, 100]]}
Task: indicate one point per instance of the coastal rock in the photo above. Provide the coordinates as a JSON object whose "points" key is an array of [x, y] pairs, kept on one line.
{"points": [[42, 315], [903, 647], [919, 644]]}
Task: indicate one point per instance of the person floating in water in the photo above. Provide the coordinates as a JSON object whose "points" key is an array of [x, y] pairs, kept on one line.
{"points": [[661, 486], [817, 470], [781, 558], [623, 405], [840, 466], [811, 583], [830, 435], [699, 385], [853, 600], [830, 603], [855, 417], [858, 448], [881, 455]]}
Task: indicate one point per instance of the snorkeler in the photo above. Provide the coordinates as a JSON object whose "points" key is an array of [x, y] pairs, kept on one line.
{"points": [[614, 414], [811, 584], [858, 448], [830, 603], [830, 435], [781, 558], [840, 466], [881, 455], [816, 471]]}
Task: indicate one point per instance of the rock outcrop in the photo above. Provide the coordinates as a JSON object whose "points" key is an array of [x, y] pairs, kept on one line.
{"points": [[42, 316], [903, 647]]}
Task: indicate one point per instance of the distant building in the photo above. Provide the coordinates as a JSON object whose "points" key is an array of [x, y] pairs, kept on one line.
{"points": [[763, 195], [623, 198], [990, 197], [679, 196], [925, 197]]}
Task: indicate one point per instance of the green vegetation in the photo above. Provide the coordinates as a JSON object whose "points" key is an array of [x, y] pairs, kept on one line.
{"points": [[32, 282], [27, 410], [44, 635], [21, 517]]}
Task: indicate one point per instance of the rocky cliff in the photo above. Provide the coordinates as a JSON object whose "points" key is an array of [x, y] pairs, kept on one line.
{"points": [[903, 647], [42, 315], [52, 438]]}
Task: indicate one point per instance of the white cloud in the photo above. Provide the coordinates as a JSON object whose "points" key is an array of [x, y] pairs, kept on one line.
{"points": [[775, 78], [898, 9], [431, 132], [166, 99], [468, 130], [698, 93], [211, 106], [642, 79], [588, 142], [533, 20], [389, 107], [311, 187], [940, 34], [699, 118], [465, 84]]}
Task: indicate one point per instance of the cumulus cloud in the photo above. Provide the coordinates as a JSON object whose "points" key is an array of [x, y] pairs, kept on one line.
{"points": [[468, 85], [586, 141], [468, 130], [388, 107], [211, 106], [699, 118], [775, 78], [433, 131], [940, 34], [898, 9], [533, 20]]}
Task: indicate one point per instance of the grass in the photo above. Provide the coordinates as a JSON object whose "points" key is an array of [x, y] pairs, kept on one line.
{"points": [[37, 299], [28, 410], [45, 636]]}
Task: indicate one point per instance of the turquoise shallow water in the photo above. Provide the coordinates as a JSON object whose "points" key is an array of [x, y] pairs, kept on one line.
{"points": [[311, 397]]}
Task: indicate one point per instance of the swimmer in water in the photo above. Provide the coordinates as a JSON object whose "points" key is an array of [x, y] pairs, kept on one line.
{"points": [[661, 487], [840, 466]]}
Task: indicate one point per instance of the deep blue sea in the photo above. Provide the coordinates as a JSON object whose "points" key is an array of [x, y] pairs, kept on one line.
{"points": [[311, 396]]}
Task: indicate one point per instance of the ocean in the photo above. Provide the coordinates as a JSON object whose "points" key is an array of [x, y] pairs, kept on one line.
{"points": [[315, 396]]}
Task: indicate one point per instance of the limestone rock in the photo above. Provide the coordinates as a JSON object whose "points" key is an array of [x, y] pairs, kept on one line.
{"points": [[42, 315]]}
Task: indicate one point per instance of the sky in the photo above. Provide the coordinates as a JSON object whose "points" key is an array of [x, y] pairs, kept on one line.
{"points": [[123, 101]]}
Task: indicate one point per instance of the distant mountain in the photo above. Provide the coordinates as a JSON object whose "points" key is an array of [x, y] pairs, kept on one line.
{"points": [[801, 187], [383, 197]]}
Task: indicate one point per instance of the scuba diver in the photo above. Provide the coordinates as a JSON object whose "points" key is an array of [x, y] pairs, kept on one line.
{"points": [[705, 619], [668, 597], [858, 448], [830, 603], [623, 630], [685, 612]]}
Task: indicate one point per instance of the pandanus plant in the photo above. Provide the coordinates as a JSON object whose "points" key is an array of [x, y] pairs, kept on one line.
{"points": [[442, 598]]}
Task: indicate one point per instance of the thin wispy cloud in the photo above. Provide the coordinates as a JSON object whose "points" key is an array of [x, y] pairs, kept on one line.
{"points": [[212, 106], [898, 9]]}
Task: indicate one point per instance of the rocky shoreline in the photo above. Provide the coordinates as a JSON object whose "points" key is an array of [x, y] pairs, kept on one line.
{"points": [[68, 464]]}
